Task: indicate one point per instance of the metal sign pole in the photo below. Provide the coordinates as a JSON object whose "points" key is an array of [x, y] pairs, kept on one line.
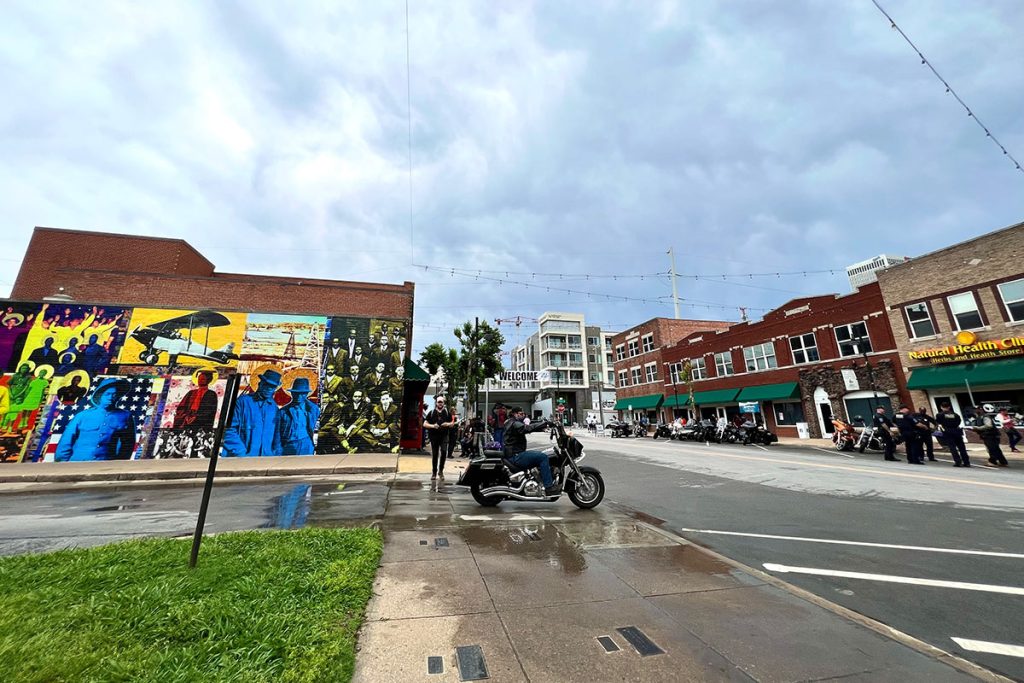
{"points": [[227, 413]]}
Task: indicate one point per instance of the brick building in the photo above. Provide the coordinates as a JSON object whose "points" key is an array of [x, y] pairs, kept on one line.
{"points": [[804, 362], [639, 366], [153, 271], [957, 316]]}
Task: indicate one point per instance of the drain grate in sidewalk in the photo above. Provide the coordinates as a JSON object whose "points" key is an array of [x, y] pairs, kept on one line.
{"points": [[472, 666], [608, 644], [644, 646], [435, 665], [440, 542]]}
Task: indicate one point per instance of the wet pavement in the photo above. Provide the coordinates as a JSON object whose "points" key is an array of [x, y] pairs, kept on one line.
{"points": [[548, 592]]}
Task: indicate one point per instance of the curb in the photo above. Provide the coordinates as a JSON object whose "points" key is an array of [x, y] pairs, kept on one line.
{"points": [[170, 475], [963, 665]]}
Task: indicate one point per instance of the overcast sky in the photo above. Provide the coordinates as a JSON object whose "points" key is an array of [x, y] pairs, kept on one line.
{"points": [[547, 137]]}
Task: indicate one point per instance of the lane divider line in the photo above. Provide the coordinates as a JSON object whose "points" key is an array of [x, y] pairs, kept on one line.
{"points": [[990, 647], [833, 541], [886, 578]]}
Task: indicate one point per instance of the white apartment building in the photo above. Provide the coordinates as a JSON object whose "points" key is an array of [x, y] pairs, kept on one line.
{"points": [[864, 272]]}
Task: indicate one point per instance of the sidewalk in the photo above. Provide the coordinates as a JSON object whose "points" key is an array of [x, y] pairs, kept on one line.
{"points": [[552, 593], [138, 470]]}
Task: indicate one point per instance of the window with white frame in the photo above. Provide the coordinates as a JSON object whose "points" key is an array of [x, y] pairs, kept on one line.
{"points": [[623, 378], [964, 308], [698, 369], [675, 372], [853, 339], [1012, 294], [611, 377], [760, 357], [920, 320], [592, 341], [804, 348], [635, 375], [652, 372], [634, 347], [620, 352], [723, 364], [648, 342]]}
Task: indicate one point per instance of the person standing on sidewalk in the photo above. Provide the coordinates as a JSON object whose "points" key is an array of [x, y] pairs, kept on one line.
{"points": [[929, 425], [437, 423], [1010, 427], [953, 435], [988, 430], [499, 415], [882, 427], [907, 423]]}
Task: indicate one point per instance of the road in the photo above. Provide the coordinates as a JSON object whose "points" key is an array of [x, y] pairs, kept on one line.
{"points": [[933, 551]]}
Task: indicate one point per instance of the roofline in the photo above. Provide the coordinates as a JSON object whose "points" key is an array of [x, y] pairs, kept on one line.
{"points": [[950, 248], [178, 240]]}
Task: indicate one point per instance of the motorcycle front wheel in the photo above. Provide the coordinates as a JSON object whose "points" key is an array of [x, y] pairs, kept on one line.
{"points": [[588, 492], [481, 498]]}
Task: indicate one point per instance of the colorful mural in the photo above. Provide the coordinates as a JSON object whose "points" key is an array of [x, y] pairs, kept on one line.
{"points": [[83, 382]]}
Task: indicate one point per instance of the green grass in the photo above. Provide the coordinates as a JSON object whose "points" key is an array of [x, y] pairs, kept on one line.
{"points": [[261, 606]]}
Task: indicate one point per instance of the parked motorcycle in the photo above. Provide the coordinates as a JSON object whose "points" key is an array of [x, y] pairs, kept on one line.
{"points": [[619, 429], [869, 438], [492, 478], [758, 434], [639, 430], [844, 436], [663, 431]]}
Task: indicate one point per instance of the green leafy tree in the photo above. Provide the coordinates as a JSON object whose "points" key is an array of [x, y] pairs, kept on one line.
{"points": [[438, 356], [480, 356]]}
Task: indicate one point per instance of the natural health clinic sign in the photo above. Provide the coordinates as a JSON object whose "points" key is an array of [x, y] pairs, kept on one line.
{"points": [[969, 347]]}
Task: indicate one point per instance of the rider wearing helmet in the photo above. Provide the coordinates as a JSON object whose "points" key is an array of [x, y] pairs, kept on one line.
{"points": [[988, 430]]}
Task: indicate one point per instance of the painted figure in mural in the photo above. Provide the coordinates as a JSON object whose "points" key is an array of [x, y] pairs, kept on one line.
{"points": [[332, 382], [45, 354], [251, 432], [358, 407], [67, 364], [386, 423], [352, 382], [359, 359], [334, 356], [18, 384], [398, 357], [331, 417], [397, 384], [71, 349], [297, 421], [384, 350], [351, 344], [5, 404], [103, 432], [71, 393], [372, 345], [94, 357], [198, 408], [377, 381]]}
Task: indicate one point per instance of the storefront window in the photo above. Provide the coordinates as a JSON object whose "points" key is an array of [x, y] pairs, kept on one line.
{"points": [[788, 413], [760, 357], [1013, 299], [920, 320], [723, 363], [965, 311], [853, 339], [804, 347]]}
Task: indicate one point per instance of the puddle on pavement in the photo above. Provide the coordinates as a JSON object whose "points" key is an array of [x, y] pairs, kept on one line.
{"points": [[613, 534], [538, 541]]}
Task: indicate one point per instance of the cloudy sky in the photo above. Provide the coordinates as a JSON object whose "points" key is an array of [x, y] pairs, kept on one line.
{"points": [[582, 138]]}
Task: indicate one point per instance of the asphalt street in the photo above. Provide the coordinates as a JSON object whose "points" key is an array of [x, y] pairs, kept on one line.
{"points": [[934, 551]]}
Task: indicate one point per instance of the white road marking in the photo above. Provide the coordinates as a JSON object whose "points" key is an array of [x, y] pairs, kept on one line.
{"points": [[833, 541], [345, 493], [761, 447], [475, 518], [912, 580], [832, 452], [989, 647]]}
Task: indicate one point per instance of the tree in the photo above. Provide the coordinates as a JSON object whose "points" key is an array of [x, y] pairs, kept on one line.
{"points": [[480, 358], [437, 356]]}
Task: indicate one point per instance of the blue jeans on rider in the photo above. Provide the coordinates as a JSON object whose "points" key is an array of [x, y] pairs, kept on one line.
{"points": [[524, 460]]}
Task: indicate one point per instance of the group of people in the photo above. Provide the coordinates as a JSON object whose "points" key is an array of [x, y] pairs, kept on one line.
{"points": [[68, 340], [362, 387], [917, 429], [258, 427]]}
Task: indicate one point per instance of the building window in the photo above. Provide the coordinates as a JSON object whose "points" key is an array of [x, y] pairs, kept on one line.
{"points": [[620, 352], [595, 376], [788, 413], [853, 339], [698, 370], [623, 378], [1012, 294], [648, 340], [652, 372], [920, 320], [608, 343], [608, 359], [635, 373], [593, 341], [675, 373], [723, 364], [760, 357], [592, 358], [804, 347], [634, 348], [965, 311], [611, 377]]}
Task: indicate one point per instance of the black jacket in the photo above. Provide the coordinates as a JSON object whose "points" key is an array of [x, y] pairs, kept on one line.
{"points": [[950, 423], [516, 431]]}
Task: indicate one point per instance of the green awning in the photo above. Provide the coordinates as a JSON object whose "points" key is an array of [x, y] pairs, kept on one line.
{"points": [[715, 397], [648, 402], [952, 376], [770, 392], [679, 400], [414, 373]]}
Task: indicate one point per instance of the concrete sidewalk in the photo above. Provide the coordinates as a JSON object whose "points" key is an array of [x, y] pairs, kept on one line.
{"points": [[548, 592], [138, 470]]}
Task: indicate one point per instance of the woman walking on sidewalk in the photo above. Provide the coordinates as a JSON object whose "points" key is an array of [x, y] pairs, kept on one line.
{"points": [[1010, 427]]}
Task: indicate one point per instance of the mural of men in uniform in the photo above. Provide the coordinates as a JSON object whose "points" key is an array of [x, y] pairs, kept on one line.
{"points": [[297, 421], [352, 382], [398, 357], [71, 393], [252, 429], [384, 350], [330, 420], [397, 384], [359, 359], [378, 381], [103, 432], [386, 424], [351, 342], [198, 408], [331, 382], [45, 354]]}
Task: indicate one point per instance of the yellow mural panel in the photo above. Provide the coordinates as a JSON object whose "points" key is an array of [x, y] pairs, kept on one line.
{"points": [[160, 336]]}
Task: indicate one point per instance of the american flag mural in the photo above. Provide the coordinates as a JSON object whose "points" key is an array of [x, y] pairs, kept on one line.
{"points": [[140, 400]]}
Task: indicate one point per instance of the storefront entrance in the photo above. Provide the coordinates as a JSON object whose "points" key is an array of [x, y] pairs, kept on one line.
{"points": [[862, 404]]}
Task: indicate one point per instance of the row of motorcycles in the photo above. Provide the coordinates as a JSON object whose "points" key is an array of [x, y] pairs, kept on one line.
{"points": [[847, 436], [707, 431]]}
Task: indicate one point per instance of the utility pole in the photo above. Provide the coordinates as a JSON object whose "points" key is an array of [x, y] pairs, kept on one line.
{"points": [[600, 401], [675, 290]]}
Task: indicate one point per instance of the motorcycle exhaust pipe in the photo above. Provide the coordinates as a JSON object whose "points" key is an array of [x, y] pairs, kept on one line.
{"points": [[512, 493]]}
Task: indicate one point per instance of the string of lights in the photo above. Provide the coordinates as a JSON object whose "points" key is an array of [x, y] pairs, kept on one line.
{"points": [[451, 270], [949, 88]]}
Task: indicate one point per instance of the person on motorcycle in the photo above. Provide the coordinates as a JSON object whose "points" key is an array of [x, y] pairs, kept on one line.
{"points": [[883, 425], [516, 429]]}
